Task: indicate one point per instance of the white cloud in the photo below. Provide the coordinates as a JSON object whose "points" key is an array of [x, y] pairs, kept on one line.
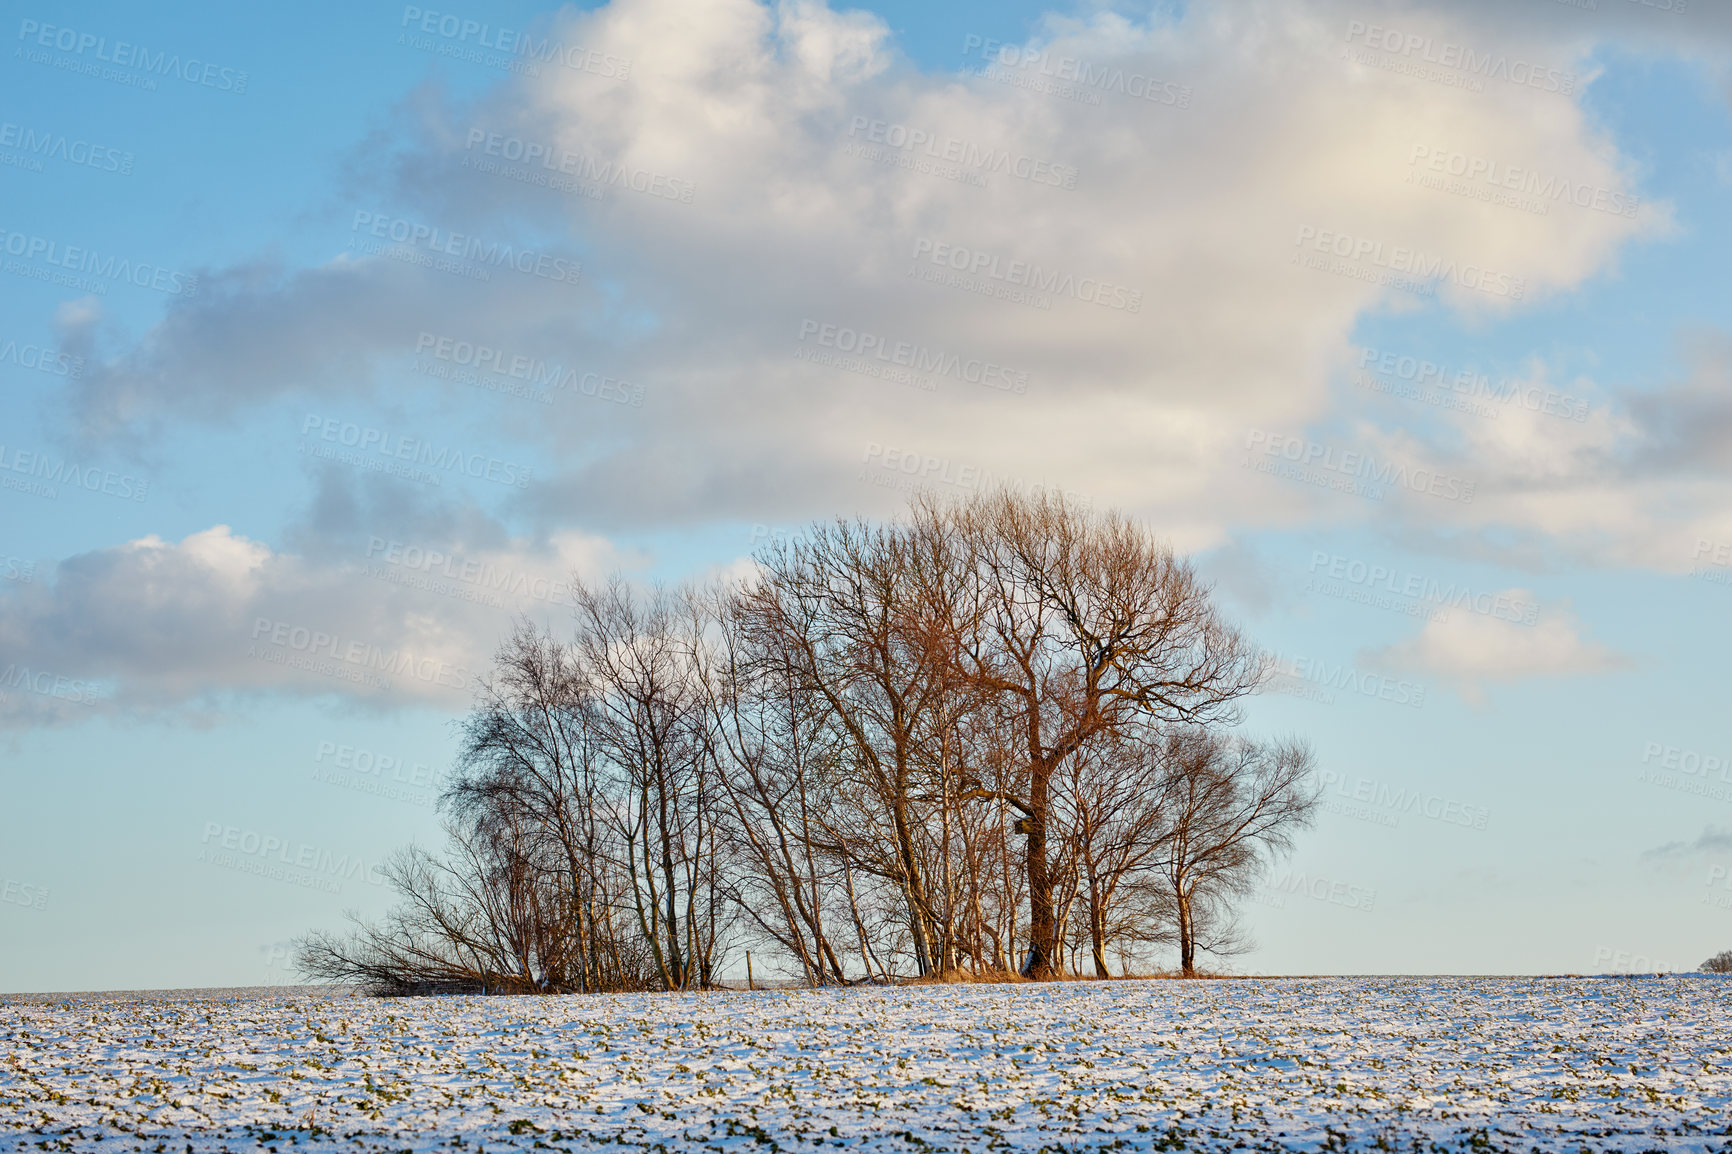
{"points": [[1294, 146], [765, 111], [1639, 481], [153, 625], [1472, 648]]}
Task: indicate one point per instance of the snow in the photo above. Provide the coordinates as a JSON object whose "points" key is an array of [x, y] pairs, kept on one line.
{"points": [[1362, 1063]]}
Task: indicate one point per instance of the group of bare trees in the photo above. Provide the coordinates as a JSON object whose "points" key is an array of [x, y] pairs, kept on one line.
{"points": [[988, 737]]}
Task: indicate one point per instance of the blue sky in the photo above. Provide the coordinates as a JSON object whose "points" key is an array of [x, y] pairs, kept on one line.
{"points": [[205, 466]]}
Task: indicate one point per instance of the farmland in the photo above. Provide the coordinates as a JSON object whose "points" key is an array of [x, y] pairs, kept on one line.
{"points": [[1362, 1063]]}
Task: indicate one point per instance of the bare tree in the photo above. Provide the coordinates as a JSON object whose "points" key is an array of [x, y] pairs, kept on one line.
{"points": [[526, 897], [776, 761], [1083, 624], [1231, 806], [987, 730], [649, 713], [840, 611], [530, 754], [1113, 794]]}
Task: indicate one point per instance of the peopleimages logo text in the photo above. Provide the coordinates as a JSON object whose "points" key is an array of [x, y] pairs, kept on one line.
{"points": [[919, 358], [1397, 800], [485, 574], [81, 259], [356, 759], [43, 360], [1357, 466], [1690, 762], [1315, 671], [962, 152], [1022, 274], [362, 654], [1420, 265], [46, 684], [442, 242], [285, 854], [123, 54], [524, 45], [929, 469], [1323, 889], [1382, 577], [17, 893], [47, 145], [579, 166], [1518, 179], [1447, 54], [535, 371], [1084, 74], [396, 447], [60, 471], [1419, 371]]}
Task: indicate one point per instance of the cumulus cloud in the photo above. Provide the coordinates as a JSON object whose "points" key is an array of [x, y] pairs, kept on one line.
{"points": [[1475, 645], [820, 276], [1628, 476], [1104, 288], [154, 625], [262, 331]]}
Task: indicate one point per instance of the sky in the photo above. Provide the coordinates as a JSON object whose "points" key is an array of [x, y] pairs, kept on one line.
{"points": [[334, 338]]}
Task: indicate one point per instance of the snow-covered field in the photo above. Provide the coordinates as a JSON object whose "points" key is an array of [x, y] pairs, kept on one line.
{"points": [[1372, 1063]]}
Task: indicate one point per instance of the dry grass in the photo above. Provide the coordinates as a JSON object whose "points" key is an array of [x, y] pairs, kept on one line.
{"points": [[964, 977], [1177, 976]]}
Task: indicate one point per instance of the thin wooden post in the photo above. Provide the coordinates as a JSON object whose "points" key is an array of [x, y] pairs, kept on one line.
{"points": [[749, 970]]}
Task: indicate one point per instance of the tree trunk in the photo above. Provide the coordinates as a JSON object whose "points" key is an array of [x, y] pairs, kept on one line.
{"points": [[1187, 937], [1042, 928], [676, 964], [859, 923], [1098, 931], [912, 889]]}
